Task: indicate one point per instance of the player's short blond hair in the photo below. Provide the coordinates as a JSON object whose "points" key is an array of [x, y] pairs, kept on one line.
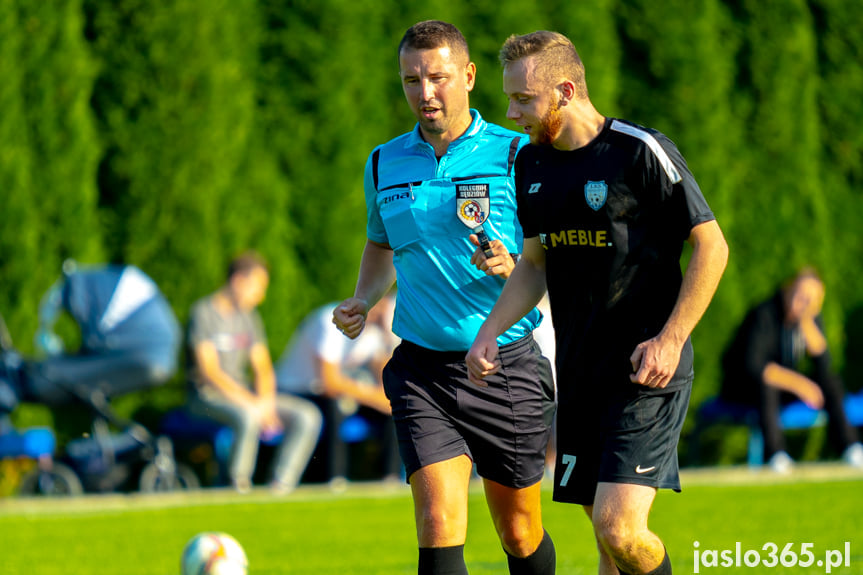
{"points": [[555, 57]]}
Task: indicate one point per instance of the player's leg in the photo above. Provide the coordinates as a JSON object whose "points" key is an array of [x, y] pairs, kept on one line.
{"points": [[606, 563], [440, 494], [639, 456], [517, 517], [620, 512]]}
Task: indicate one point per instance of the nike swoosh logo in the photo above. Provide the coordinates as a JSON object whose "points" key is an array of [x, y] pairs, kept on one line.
{"points": [[640, 470]]}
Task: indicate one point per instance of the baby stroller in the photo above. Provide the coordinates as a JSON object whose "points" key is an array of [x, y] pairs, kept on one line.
{"points": [[130, 340], [49, 477]]}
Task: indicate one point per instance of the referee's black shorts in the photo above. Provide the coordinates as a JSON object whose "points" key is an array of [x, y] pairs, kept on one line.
{"points": [[439, 414]]}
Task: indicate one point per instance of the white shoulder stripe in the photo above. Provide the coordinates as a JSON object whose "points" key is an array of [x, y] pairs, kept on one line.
{"points": [[654, 146]]}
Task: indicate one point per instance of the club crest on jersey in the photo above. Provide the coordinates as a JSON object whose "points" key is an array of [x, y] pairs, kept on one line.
{"points": [[596, 193], [472, 203]]}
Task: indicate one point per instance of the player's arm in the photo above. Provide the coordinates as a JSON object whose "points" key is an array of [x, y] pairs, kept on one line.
{"points": [[655, 360], [377, 275], [522, 291], [207, 360]]}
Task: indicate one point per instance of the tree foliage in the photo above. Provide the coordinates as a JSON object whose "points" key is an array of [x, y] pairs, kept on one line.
{"points": [[174, 134]]}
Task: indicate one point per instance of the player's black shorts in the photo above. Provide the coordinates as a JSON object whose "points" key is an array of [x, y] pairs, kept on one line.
{"points": [[627, 437], [439, 414]]}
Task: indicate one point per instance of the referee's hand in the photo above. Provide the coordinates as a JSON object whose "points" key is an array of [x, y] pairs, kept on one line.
{"points": [[350, 316], [501, 264], [482, 360]]}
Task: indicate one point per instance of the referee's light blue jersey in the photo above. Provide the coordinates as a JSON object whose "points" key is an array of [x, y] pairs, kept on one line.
{"points": [[414, 202]]}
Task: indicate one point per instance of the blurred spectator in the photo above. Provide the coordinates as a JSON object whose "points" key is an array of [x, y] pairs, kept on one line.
{"points": [[226, 339], [780, 355], [343, 377]]}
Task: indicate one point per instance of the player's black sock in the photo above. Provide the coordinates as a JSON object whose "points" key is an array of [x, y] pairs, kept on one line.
{"points": [[442, 561], [664, 568], [540, 562]]}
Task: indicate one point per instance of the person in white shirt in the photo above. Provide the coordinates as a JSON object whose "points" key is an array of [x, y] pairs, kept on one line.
{"points": [[343, 377]]}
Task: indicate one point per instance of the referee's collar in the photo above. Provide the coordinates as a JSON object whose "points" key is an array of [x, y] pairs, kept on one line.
{"points": [[477, 125]]}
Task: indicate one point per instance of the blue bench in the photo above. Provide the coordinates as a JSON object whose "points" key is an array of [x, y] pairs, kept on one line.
{"points": [[796, 415], [33, 442], [184, 427]]}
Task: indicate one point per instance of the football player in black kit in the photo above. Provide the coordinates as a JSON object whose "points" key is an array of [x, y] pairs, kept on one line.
{"points": [[606, 207]]}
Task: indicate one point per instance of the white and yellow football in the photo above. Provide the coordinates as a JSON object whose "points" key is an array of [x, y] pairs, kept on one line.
{"points": [[212, 553]]}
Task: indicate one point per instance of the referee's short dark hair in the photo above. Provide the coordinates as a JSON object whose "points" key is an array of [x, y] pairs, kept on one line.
{"points": [[246, 262], [431, 34]]}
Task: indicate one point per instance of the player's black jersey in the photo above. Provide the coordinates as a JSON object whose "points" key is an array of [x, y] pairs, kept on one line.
{"points": [[612, 217]]}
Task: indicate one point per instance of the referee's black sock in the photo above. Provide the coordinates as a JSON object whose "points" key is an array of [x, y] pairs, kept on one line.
{"points": [[540, 562], [442, 561]]}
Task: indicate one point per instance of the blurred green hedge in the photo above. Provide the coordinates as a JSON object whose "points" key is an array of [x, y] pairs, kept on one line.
{"points": [[174, 134]]}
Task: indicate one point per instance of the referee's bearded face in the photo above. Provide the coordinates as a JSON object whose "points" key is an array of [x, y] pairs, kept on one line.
{"points": [[437, 83]]}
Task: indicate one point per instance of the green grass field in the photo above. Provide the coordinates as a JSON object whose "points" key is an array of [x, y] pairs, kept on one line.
{"points": [[369, 529]]}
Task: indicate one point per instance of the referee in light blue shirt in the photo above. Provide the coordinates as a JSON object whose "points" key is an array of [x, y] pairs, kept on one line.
{"points": [[427, 191]]}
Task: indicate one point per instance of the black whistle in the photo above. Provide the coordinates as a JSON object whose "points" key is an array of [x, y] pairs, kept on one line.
{"points": [[483, 241]]}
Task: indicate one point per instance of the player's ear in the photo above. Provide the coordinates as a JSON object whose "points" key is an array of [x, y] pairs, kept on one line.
{"points": [[567, 92]]}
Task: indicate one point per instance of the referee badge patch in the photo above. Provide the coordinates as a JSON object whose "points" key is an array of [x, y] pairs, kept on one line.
{"points": [[472, 203], [596, 193]]}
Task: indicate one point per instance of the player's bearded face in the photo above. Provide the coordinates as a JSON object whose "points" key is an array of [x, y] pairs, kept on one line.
{"points": [[549, 125]]}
